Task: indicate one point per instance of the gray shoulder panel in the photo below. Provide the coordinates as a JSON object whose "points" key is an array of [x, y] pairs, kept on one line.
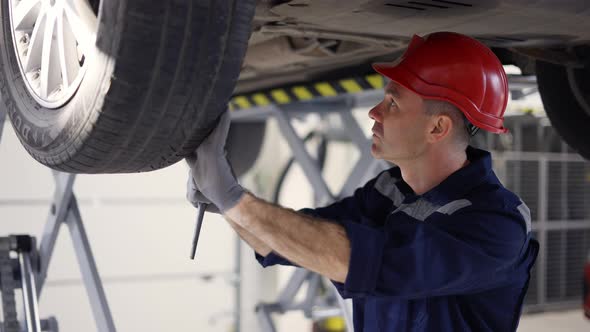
{"points": [[385, 184], [453, 206], [420, 209], [526, 214]]}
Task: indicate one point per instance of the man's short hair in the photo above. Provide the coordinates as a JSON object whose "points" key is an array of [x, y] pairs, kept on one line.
{"points": [[460, 132]]}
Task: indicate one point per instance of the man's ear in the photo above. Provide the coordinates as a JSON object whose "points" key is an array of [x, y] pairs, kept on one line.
{"points": [[440, 127]]}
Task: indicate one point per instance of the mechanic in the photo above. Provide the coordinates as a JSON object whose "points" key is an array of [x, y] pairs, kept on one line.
{"points": [[434, 244]]}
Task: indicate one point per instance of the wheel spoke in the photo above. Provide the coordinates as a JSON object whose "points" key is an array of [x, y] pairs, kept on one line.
{"points": [[68, 53], [32, 60], [81, 24], [25, 14], [49, 64]]}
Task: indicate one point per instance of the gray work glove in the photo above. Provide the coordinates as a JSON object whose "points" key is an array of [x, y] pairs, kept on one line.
{"points": [[211, 171], [195, 197]]}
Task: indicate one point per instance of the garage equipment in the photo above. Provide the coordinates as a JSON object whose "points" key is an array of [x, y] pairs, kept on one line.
{"points": [[17, 273], [29, 270]]}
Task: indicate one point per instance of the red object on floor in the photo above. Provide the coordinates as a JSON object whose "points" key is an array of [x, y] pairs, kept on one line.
{"points": [[587, 289]]}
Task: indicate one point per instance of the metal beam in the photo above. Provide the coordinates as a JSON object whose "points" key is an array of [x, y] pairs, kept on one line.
{"points": [[309, 165], [57, 215], [31, 307], [542, 234], [94, 289]]}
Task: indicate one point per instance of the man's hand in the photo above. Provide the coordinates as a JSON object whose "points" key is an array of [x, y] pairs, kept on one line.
{"points": [[195, 197], [212, 174]]}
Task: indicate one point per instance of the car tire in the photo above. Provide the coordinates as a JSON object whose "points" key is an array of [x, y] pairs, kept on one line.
{"points": [[566, 97], [158, 75]]}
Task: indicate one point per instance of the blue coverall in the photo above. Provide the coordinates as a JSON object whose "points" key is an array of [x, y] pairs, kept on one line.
{"points": [[457, 258]]}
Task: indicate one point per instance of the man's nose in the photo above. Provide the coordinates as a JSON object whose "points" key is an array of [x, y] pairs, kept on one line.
{"points": [[375, 113]]}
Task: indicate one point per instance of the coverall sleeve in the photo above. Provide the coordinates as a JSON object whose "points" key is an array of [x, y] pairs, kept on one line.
{"points": [[466, 252], [272, 259], [345, 210]]}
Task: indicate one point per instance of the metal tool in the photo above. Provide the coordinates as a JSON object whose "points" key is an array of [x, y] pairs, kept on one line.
{"points": [[201, 208]]}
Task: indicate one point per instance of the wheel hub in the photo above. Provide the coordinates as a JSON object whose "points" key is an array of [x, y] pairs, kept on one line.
{"points": [[52, 40]]}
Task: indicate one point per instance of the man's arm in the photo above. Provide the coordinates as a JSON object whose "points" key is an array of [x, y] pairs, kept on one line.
{"points": [[254, 243], [317, 245]]}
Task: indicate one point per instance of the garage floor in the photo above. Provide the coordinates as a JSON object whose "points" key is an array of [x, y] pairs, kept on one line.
{"points": [[565, 321]]}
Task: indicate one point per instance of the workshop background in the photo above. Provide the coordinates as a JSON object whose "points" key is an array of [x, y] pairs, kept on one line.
{"points": [[140, 229]]}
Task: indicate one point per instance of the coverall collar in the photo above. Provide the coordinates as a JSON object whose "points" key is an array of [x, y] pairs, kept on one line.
{"points": [[457, 184]]}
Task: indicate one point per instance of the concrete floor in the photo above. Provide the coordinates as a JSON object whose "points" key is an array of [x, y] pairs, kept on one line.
{"points": [[564, 321]]}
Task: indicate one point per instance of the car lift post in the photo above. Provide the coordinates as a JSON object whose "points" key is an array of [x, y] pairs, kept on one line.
{"points": [[33, 272], [332, 303]]}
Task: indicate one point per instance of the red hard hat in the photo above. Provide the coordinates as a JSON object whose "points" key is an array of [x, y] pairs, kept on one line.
{"points": [[458, 69]]}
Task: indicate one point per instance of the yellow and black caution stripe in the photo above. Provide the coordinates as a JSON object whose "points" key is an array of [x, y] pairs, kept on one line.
{"points": [[308, 91]]}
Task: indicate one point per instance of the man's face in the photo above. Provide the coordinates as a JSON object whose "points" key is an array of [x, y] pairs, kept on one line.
{"points": [[400, 129]]}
